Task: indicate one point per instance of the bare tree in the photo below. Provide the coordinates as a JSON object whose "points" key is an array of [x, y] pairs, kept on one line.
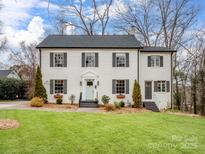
{"points": [[26, 61], [86, 20]]}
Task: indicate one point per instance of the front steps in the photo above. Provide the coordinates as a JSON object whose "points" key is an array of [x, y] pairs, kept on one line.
{"points": [[88, 104], [151, 106]]}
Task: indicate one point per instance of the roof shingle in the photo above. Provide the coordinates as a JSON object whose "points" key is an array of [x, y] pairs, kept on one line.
{"points": [[87, 41]]}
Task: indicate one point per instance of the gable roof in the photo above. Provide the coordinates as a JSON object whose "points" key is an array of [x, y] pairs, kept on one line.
{"points": [[4, 73], [88, 41], [157, 49]]}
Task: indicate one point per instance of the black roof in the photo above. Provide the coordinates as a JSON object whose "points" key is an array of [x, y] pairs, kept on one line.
{"points": [[157, 49], [88, 41], [4, 73]]}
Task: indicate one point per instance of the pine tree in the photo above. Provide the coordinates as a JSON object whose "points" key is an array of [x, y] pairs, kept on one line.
{"points": [[39, 91], [136, 95]]}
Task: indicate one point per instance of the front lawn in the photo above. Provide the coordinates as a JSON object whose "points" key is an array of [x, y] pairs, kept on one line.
{"points": [[66, 132]]}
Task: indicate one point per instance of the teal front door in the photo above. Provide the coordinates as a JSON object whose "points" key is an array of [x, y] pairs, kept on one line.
{"points": [[89, 90]]}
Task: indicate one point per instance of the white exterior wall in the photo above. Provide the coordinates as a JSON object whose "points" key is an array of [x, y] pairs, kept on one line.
{"points": [[106, 73], [74, 70], [162, 99]]}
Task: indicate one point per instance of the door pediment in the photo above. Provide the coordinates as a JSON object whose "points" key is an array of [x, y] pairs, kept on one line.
{"points": [[89, 75]]}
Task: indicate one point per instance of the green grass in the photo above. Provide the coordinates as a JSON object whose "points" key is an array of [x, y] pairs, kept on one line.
{"points": [[64, 132]]}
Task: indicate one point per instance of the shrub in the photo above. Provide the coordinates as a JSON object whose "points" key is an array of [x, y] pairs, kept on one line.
{"points": [[39, 91], [122, 104], [117, 105], [59, 100], [136, 95], [109, 107], [11, 89], [72, 98], [105, 99], [37, 102]]}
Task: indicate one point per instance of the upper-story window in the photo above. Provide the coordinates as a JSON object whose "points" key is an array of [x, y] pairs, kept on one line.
{"points": [[58, 59], [89, 59], [155, 61], [120, 59]]}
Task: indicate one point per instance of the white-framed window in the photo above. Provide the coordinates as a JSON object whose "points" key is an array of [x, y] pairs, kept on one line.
{"points": [[89, 59], [120, 86], [155, 61], [120, 60], [161, 86], [58, 59], [58, 86]]}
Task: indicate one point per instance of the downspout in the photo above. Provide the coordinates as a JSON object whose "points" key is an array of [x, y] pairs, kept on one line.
{"points": [[138, 65], [171, 81], [40, 57]]}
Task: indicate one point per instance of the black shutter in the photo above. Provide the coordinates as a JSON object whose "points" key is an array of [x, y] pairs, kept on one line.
{"points": [[83, 60], [155, 86], [167, 86], [96, 60], [149, 61], [51, 86], [113, 59], [127, 86], [127, 59], [113, 86], [161, 61], [51, 59], [64, 86], [65, 59]]}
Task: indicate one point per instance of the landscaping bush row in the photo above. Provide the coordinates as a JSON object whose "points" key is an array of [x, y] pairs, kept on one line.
{"points": [[11, 89]]}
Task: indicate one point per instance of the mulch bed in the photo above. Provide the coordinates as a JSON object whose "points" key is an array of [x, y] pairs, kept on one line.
{"points": [[8, 123], [127, 110], [60, 106]]}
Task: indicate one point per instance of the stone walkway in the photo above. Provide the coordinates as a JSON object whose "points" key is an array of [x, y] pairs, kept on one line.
{"points": [[24, 105]]}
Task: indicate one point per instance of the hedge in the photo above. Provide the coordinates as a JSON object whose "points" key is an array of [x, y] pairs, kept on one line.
{"points": [[11, 89]]}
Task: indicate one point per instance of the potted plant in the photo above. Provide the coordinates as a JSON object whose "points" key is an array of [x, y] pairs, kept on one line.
{"points": [[59, 98]]}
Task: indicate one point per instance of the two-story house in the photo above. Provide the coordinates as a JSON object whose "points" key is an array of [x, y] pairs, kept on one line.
{"points": [[92, 66]]}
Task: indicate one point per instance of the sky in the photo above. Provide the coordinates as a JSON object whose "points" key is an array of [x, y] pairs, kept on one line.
{"points": [[30, 20]]}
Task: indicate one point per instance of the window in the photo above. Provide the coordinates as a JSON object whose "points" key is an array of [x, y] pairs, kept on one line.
{"points": [[161, 86], [58, 86], [90, 59], [58, 59], [155, 61], [120, 59], [120, 86]]}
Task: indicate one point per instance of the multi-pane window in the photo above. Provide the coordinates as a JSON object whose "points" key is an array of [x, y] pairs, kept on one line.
{"points": [[155, 61], [120, 59], [161, 86], [58, 59], [58, 86], [90, 59], [120, 86]]}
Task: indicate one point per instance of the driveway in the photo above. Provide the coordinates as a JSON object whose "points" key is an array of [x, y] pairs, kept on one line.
{"points": [[24, 105], [12, 104]]}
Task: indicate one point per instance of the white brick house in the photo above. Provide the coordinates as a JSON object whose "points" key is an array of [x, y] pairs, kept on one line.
{"points": [[92, 66]]}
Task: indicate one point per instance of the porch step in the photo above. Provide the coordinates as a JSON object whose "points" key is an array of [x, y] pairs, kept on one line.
{"points": [[88, 104], [151, 106]]}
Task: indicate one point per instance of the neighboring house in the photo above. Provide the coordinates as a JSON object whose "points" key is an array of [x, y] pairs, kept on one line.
{"points": [[92, 66], [8, 74]]}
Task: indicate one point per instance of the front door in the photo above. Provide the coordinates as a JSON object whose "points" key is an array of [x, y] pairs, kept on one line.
{"points": [[89, 90], [148, 89]]}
